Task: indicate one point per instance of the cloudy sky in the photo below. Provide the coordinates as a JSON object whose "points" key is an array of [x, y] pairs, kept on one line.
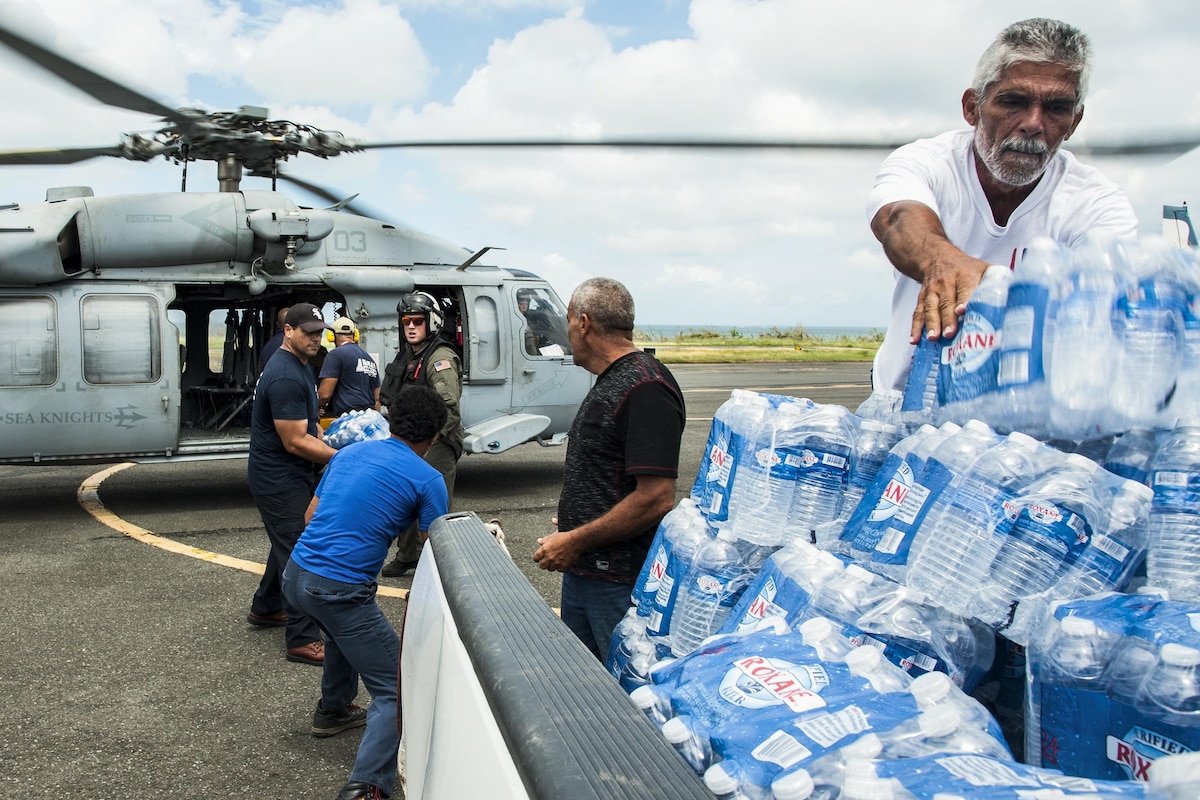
{"points": [[708, 238]]}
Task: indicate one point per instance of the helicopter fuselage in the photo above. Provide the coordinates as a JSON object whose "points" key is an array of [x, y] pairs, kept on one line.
{"points": [[133, 326]]}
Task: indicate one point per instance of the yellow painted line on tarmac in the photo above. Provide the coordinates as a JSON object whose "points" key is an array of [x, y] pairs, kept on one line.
{"points": [[89, 499]]}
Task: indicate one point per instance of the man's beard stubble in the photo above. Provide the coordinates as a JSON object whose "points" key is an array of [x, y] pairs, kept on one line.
{"points": [[1021, 173]]}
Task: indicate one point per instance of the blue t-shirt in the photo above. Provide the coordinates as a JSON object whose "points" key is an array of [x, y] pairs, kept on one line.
{"points": [[285, 391], [370, 492], [357, 379]]}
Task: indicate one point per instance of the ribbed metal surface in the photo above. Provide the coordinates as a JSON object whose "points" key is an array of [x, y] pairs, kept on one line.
{"points": [[571, 729]]}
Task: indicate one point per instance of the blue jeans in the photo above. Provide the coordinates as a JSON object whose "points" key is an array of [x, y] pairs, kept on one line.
{"points": [[592, 608], [359, 642]]}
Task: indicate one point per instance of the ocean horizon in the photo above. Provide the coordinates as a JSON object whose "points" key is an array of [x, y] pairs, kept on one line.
{"points": [[668, 332]]}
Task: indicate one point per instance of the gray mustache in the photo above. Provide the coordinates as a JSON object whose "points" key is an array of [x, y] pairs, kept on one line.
{"points": [[1031, 146]]}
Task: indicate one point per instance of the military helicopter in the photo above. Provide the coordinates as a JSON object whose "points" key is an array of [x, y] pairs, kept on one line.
{"points": [[108, 305]]}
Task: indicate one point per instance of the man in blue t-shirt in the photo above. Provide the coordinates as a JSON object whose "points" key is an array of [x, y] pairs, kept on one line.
{"points": [[370, 492], [285, 450], [349, 376]]}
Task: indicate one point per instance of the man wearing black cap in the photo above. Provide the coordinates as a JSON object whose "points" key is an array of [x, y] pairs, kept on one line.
{"points": [[285, 447]]}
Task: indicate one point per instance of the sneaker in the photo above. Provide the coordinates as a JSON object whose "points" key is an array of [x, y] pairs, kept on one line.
{"points": [[328, 723], [395, 568]]}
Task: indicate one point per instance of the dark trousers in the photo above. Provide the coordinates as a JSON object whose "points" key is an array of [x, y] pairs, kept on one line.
{"points": [[444, 459], [283, 517]]}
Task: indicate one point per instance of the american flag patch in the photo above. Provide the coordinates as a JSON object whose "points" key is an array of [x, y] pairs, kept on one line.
{"points": [[438, 366]]}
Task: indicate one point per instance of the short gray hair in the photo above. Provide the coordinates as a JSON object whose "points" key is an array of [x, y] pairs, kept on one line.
{"points": [[608, 304], [1041, 41]]}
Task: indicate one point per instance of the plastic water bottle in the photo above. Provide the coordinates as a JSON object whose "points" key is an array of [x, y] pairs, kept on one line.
{"points": [[846, 596], [1059, 513], [947, 464], [710, 590], [1076, 656], [882, 498], [971, 361], [620, 646], [1176, 777], [694, 749], [1186, 400], [936, 689], [920, 403], [1171, 692], [670, 530], [1132, 660], [1019, 402], [871, 447], [651, 702], [1081, 350], [784, 587], [1131, 454], [764, 483], [882, 406], [869, 663], [724, 780], [965, 529], [684, 542], [1173, 558], [821, 635], [818, 453], [1110, 558], [1150, 336], [826, 775], [742, 411]]}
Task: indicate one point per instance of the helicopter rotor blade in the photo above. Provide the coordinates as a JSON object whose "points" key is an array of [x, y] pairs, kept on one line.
{"points": [[1175, 146], [648, 143], [103, 89], [72, 155], [339, 202]]}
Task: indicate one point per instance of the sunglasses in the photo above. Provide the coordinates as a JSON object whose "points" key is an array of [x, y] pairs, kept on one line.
{"points": [[416, 322]]}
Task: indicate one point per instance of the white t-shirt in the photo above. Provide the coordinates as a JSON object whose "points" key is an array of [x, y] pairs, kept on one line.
{"points": [[1070, 201]]}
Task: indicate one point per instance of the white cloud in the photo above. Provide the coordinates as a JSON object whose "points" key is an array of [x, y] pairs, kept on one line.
{"points": [[747, 238]]}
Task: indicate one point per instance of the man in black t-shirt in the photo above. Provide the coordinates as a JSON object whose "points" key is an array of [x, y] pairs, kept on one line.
{"points": [[621, 466], [285, 448]]}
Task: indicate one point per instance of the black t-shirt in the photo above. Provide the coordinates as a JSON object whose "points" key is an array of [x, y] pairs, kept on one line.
{"points": [[630, 424], [285, 390]]}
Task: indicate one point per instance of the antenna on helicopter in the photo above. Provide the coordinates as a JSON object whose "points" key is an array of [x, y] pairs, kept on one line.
{"points": [[463, 266]]}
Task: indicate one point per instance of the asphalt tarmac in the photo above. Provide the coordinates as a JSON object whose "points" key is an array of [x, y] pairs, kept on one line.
{"points": [[127, 669]]}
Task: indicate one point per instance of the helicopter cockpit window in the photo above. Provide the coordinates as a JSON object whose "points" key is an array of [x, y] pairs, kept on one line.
{"points": [[121, 339], [545, 323], [30, 342]]}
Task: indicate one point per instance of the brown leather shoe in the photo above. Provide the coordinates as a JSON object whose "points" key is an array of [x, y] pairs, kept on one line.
{"points": [[276, 620], [311, 653]]}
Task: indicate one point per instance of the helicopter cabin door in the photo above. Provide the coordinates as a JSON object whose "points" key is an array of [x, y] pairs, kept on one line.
{"points": [[94, 371]]}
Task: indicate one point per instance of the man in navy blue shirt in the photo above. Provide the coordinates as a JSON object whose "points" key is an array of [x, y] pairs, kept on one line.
{"points": [[370, 492], [349, 376], [285, 449]]}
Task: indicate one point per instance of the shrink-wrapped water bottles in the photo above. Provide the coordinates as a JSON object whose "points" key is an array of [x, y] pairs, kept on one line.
{"points": [[965, 529], [356, 426], [1173, 559], [710, 589], [971, 360], [783, 587], [1081, 363], [1058, 514]]}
